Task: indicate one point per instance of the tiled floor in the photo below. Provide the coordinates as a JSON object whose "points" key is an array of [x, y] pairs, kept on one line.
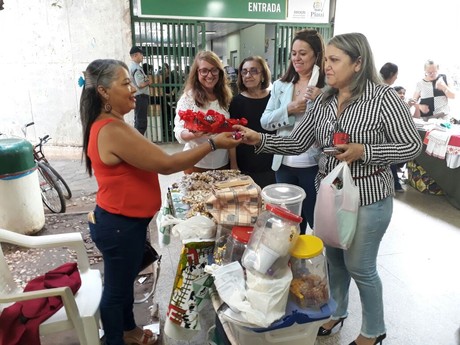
{"points": [[418, 263]]}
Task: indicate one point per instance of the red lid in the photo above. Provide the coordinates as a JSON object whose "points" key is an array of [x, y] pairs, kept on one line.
{"points": [[284, 213], [242, 233]]}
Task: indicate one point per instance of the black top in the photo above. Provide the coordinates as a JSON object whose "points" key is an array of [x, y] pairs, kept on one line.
{"points": [[251, 109]]}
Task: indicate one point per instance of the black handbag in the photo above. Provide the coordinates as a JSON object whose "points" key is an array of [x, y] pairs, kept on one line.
{"points": [[150, 255]]}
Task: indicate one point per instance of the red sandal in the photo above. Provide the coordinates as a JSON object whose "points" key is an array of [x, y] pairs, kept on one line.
{"points": [[147, 338]]}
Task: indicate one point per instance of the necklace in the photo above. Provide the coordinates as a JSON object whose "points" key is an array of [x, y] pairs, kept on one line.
{"points": [[297, 92]]}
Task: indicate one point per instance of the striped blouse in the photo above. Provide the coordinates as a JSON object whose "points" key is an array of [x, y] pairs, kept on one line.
{"points": [[379, 120]]}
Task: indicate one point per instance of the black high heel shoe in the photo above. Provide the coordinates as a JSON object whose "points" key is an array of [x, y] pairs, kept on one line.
{"points": [[378, 340], [323, 331]]}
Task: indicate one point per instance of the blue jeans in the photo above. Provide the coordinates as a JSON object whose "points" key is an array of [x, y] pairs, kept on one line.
{"points": [[121, 241], [305, 178], [360, 263]]}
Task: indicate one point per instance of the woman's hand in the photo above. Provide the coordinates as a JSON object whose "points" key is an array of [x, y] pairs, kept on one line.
{"points": [[249, 136], [351, 152], [297, 106], [312, 93], [225, 140]]}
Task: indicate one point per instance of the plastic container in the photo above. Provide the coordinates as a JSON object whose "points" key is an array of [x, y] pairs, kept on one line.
{"points": [[285, 195], [237, 243], [21, 208], [297, 327], [275, 232], [310, 284]]}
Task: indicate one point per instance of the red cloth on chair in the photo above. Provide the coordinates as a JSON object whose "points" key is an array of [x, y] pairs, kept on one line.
{"points": [[19, 323]]}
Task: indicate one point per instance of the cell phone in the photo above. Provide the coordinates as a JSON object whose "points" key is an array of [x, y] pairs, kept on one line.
{"points": [[332, 150]]}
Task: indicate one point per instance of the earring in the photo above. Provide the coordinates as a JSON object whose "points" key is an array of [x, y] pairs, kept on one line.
{"points": [[107, 107]]}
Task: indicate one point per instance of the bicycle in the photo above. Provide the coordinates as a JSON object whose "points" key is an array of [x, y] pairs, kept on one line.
{"points": [[54, 189], [39, 156]]}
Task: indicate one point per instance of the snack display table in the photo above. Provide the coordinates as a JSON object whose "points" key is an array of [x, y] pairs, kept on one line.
{"points": [[233, 202]]}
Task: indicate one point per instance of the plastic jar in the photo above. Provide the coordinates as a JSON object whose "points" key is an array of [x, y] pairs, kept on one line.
{"points": [[310, 284], [236, 243], [275, 233], [285, 195]]}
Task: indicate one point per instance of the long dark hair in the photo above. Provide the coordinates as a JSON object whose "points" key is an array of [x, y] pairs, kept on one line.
{"points": [[314, 39], [222, 90], [98, 73]]}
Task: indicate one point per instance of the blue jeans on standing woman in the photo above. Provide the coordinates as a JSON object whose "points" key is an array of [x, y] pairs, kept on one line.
{"points": [[360, 263], [305, 178], [121, 241]]}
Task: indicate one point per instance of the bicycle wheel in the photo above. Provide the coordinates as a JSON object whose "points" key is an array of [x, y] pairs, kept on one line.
{"points": [[60, 181], [51, 192]]}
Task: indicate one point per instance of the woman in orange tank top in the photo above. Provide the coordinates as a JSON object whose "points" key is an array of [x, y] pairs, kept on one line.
{"points": [[126, 166]]}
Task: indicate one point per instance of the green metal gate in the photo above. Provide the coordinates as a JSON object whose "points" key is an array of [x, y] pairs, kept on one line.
{"points": [[170, 47], [174, 44], [283, 39]]}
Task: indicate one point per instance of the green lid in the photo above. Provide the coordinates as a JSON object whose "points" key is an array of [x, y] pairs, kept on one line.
{"points": [[307, 246], [16, 155]]}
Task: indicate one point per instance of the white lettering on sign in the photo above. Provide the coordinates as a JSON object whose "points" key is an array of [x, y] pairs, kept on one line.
{"points": [[263, 7]]}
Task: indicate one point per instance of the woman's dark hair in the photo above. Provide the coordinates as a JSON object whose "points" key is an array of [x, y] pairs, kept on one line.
{"points": [[357, 47], [98, 73], [388, 70], [266, 74], [314, 39], [222, 90], [399, 88]]}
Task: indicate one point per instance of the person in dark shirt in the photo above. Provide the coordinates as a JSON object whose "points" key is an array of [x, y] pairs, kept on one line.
{"points": [[253, 82]]}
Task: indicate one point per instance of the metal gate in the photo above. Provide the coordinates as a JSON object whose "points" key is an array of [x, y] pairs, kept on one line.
{"points": [[170, 47], [283, 39]]}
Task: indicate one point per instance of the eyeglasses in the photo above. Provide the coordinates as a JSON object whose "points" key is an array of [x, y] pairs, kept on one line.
{"points": [[431, 73], [252, 71], [205, 71]]}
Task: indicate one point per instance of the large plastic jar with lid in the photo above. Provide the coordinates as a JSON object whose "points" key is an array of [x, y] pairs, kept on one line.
{"points": [[237, 243], [275, 233], [285, 195], [310, 284]]}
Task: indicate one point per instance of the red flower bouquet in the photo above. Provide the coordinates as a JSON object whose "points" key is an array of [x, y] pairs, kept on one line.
{"points": [[211, 122]]}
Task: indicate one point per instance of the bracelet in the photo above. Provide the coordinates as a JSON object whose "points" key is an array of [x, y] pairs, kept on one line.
{"points": [[212, 144]]}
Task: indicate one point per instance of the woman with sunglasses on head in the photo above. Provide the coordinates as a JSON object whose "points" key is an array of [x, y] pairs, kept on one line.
{"points": [[287, 106], [206, 89], [253, 83]]}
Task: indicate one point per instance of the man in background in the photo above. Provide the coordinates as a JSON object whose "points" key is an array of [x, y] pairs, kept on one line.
{"points": [[142, 82]]}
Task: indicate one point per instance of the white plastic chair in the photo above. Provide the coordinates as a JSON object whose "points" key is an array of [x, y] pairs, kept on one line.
{"points": [[80, 312]]}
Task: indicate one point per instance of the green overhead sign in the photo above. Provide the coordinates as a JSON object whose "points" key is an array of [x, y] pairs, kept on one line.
{"points": [[216, 9]]}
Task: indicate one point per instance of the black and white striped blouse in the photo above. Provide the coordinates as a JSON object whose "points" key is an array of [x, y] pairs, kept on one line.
{"points": [[379, 119]]}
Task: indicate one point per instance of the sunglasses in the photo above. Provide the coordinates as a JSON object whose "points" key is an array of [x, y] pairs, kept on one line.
{"points": [[252, 71]]}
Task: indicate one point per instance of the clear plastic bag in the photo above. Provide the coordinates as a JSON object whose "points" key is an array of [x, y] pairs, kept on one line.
{"points": [[336, 209]]}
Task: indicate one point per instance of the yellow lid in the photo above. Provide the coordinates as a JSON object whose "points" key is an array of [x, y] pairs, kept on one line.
{"points": [[307, 246]]}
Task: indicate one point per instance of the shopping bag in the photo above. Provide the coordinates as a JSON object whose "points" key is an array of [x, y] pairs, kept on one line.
{"points": [[336, 209]]}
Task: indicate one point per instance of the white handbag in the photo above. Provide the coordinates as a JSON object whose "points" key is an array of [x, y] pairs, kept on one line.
{"points": [[336, 209]]}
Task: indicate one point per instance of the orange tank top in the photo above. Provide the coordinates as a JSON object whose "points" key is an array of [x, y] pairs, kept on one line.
{"points": [[122, 188]]}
